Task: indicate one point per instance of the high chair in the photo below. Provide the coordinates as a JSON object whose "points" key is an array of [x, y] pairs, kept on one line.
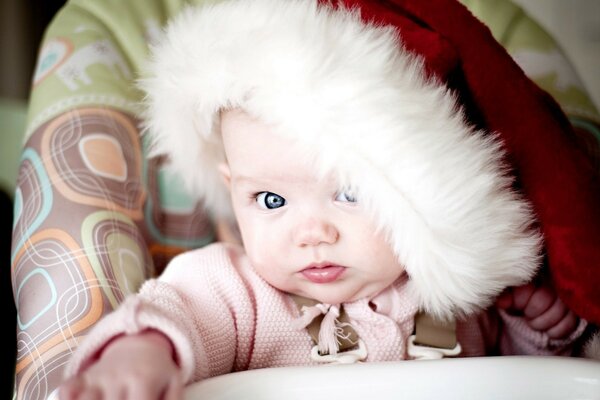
{"points": [[94, 218]]}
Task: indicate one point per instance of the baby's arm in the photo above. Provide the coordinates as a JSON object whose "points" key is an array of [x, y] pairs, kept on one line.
{"points": [[536, 321], [200, 303], [139, 366]]}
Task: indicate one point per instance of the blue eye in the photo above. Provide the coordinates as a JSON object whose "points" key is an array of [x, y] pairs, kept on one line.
{"points": [[270, 201], [346, 197]]}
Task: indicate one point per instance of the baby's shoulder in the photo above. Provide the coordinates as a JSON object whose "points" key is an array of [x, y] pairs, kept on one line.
{"points": [[220, 270], [220, 259]]}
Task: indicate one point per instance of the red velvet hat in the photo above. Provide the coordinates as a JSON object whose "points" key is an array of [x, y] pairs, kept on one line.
{"points": [[555, 174]]}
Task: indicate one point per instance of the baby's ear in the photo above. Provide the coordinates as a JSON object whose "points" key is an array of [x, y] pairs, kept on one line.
{"points": [[225, 174]]}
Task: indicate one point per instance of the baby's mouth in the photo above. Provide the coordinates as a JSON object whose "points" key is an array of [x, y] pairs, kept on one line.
{"points": [[323, 272]]}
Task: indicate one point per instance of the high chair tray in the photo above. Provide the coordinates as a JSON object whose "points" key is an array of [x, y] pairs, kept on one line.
{"points": [[510, 378]]}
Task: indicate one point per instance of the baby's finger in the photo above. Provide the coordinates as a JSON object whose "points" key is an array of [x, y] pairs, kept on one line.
{"points": [[539, 302], [522, 295], [175, 389], [505, 300], [102, 387], [144, 392], [70, 389], [90, 393], [156, 389], [549, 318], [565, 327]]}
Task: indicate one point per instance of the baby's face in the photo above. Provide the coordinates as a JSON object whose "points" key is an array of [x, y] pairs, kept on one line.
{"points": [[303, 235]]}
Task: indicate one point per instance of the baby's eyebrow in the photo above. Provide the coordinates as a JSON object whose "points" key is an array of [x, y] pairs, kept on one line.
{"points": [[246, 180], [271, 180]]}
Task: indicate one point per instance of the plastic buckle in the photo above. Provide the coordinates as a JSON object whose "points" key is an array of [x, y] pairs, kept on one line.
{"points": [[345, 357], [419, 352]]}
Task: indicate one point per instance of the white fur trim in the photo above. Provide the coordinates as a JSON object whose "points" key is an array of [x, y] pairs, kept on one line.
{"points": [[591, 349], [351, 94]]}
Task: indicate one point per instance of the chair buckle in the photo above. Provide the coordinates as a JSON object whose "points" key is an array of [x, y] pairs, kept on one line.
{"points": [[344, 357], [420, 352]]}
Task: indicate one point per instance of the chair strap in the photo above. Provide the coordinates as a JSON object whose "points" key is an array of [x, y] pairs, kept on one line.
{"points": [[434, 333], [429, 332]]}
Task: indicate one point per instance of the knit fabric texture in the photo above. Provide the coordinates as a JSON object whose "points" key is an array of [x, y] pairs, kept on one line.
{"points": [[222, 317]]}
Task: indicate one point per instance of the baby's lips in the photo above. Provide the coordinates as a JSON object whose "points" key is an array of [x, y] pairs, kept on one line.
{"points": [[324, 273]]}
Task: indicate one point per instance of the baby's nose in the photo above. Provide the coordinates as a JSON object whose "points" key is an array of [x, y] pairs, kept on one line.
{"points": [[313, 231]]}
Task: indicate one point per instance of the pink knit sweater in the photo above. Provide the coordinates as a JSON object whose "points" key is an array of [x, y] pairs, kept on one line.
{"points": [[222, 317]]}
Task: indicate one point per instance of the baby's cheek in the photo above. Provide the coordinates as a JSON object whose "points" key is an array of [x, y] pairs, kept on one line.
{"points": [[263, 261]]}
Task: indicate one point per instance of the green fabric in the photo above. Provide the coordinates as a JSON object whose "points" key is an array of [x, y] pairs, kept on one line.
{"points": [[92, 52], [537, 52], [12, 116]]}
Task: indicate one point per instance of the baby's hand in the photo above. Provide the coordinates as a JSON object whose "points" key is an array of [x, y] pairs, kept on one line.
{"points": [[131, 367], [541, 308]]}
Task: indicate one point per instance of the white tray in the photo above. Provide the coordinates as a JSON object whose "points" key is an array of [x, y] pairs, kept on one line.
{"points": [[462, 378]]}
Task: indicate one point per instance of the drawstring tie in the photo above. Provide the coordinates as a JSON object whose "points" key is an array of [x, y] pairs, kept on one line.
{"points": [[331, 329]]}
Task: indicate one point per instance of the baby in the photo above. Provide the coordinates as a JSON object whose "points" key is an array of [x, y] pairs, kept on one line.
{"points": [[361, 196]]}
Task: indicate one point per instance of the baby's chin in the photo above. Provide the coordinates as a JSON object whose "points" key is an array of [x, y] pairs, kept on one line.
{"points": [[329, 295]]}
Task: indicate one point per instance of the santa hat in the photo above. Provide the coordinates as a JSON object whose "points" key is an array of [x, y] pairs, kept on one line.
{"points": [[366, 92]]}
